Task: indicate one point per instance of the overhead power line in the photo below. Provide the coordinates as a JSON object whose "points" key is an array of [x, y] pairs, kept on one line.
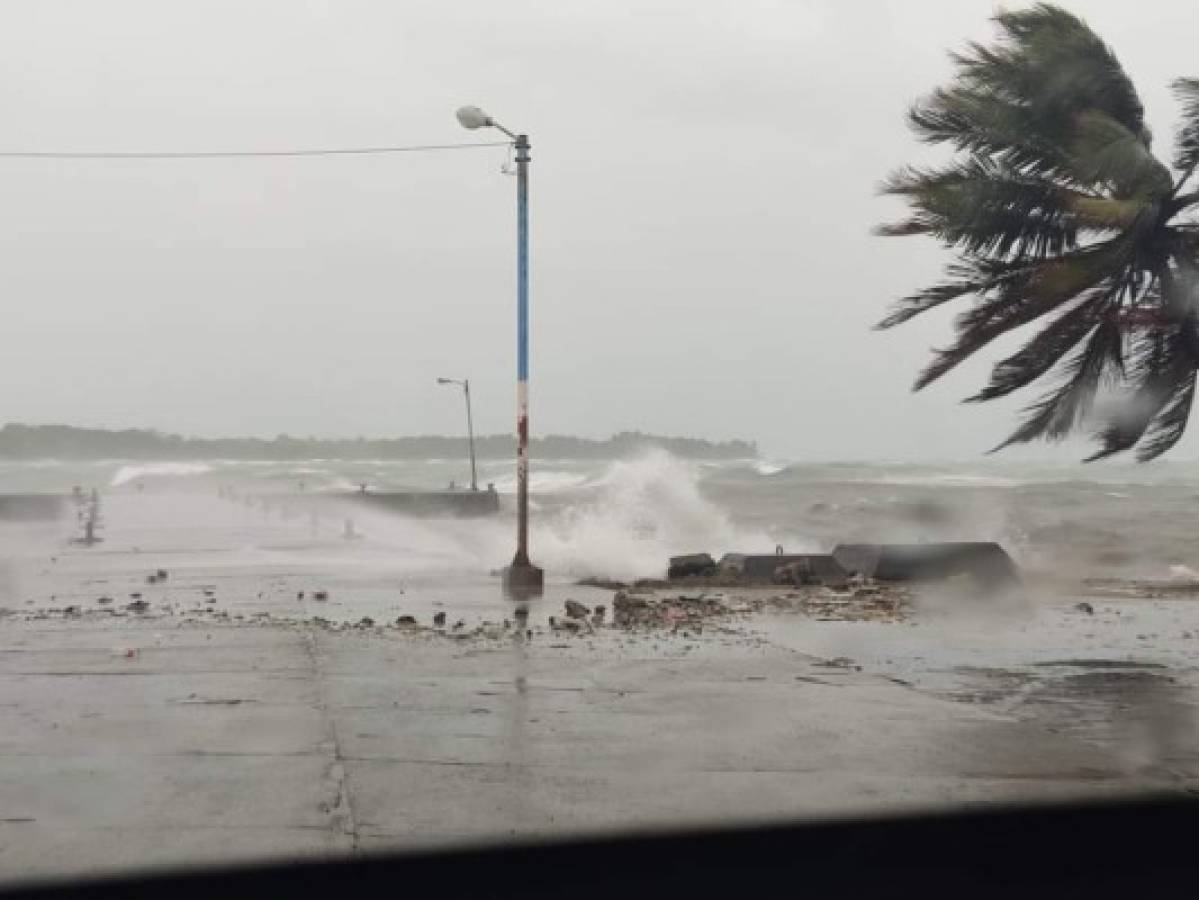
{"points": [[243, 154]]}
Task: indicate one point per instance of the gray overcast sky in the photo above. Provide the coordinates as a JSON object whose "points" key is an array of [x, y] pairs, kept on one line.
{"points": [[703, 193]]}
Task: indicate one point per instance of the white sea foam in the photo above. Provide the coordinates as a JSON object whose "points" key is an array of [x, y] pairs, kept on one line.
{"points": [[764, 467], [543, 481], [128, 473]]}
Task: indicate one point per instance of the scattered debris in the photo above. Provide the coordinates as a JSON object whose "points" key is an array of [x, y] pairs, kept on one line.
{"points": [[633, 611], [839, 662], [1151, 589], [138, 606], [1085, 607], [865, 601]]}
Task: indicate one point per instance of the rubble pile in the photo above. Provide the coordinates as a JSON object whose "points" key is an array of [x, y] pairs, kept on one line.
{"points": [[639, 611], [863, 602]]}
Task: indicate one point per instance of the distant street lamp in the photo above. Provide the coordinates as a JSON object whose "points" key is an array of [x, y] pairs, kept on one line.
{"points": [[470, 428], [522, 578]]}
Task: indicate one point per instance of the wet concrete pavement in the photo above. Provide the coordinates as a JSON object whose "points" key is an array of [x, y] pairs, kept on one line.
{"points": [[222, 742], [223, 725]]}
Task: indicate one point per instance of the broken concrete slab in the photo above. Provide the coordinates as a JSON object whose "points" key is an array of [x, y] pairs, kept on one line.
{"points": [[782, 568], [986, 561], [691, 564]]}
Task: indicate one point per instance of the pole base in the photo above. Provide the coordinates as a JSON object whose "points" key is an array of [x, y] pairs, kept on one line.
{"points": [[523, 581]]}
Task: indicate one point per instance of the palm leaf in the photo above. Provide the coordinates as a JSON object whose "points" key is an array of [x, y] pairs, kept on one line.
{"points": [[1028, 294], [1056, 207], [1164, 373], [1168, 427], [1045, 350], [1186, 153], [1106, 154], [969, 276], [1060, 411]]}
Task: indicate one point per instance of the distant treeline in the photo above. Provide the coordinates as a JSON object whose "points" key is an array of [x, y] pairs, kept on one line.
{"points": [[67, 442]]}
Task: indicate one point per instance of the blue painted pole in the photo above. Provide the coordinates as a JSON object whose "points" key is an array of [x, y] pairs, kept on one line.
{"points": [[521, 560], [522, 579]]}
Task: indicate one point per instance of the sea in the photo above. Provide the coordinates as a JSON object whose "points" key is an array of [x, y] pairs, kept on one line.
{"points": [[624, 518]]}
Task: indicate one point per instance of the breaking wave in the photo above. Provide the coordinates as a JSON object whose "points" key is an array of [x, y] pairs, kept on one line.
{"points": [[625, 522], [642, 511]]}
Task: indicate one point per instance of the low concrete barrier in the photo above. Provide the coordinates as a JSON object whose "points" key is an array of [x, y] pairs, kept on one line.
{"points": [[421, 504], [457, 504]]}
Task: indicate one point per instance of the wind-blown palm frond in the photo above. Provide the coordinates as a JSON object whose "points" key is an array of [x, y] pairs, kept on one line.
{"points": [[1044, 351], [1186, 153], [1164, 377], [1057, 207], [1033, 291], [1060, 411], [1104, 153], [1170, 423]]}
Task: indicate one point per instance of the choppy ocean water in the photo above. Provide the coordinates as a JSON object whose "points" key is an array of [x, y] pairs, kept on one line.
{"points": [[624, 517]]}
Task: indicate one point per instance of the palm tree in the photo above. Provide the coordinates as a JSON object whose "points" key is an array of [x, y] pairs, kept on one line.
{"points": [[1060, 214]]}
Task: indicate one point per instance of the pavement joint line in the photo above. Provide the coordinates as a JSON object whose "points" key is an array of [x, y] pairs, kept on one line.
{"points": [[341, 811]]}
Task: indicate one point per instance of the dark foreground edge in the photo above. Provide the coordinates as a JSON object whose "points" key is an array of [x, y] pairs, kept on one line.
{"points": [[1131, 849]]}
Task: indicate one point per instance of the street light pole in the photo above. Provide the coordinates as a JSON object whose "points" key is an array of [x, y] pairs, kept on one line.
{"points": [[470, 436], [522, 352], [470, 428], [522, 579]]}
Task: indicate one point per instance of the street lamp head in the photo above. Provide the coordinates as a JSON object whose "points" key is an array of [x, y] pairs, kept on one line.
{"points": [[472, 117], [445, 381]]}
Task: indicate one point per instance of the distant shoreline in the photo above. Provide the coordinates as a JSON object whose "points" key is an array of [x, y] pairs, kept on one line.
{"points": [[20, 442]]}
